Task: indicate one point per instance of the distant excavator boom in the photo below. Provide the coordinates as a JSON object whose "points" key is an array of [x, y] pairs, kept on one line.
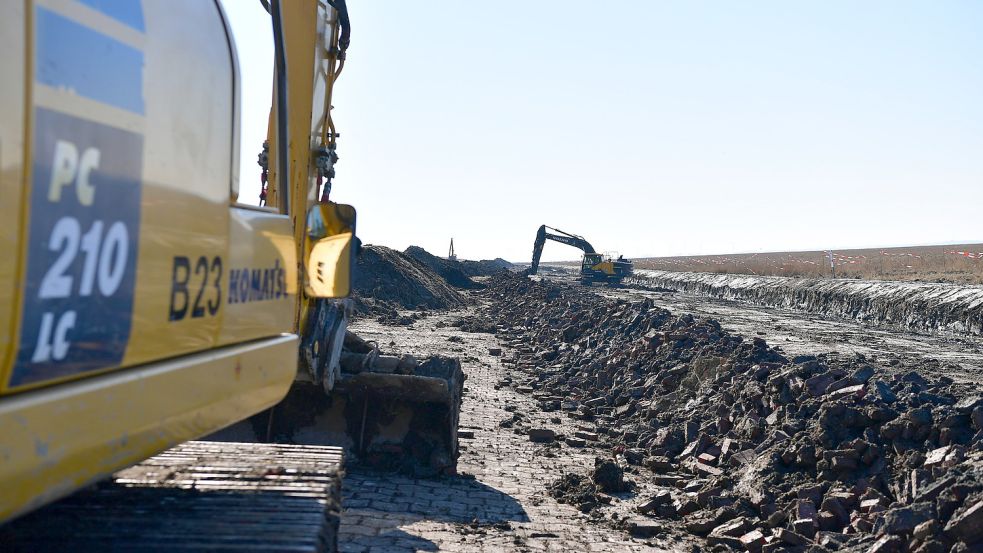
{"points": [[549, 233]]}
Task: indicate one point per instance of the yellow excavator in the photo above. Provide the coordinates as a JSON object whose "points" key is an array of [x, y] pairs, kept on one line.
{"points": [[594, 267], [144, 304]]}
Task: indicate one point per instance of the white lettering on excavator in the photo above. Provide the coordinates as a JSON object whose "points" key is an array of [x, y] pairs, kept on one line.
{"points": [[53, 347], [84, 228], [68, 167]]}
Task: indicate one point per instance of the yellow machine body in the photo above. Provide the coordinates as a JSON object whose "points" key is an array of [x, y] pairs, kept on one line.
{"points": [[142, 304], [606, 267], [601, 268]]}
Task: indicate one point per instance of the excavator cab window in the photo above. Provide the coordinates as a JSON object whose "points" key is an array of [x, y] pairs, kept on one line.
{"points": [[590, 260]]}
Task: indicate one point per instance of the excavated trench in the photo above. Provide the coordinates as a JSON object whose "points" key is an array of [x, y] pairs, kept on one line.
{"points": [[916, 306], [731, 440]]}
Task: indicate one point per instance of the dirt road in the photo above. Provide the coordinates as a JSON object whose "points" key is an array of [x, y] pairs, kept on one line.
{"points": [[499, 503]]}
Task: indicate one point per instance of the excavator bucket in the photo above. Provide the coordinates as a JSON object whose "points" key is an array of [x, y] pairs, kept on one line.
{"points": [[388, 412]]}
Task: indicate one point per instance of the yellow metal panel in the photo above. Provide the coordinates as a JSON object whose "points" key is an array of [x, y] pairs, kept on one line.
{"points": [[300, 25], [185, 212], [12, 93], [605, 267], [261, 282], [61, 438], [309, 28], [154, 159]]}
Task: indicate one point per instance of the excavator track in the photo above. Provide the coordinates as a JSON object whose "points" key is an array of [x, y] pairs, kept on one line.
{"points": [[199, 496]]}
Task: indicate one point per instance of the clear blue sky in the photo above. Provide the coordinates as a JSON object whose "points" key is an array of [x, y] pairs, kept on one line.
{"points": [[651, 127]]}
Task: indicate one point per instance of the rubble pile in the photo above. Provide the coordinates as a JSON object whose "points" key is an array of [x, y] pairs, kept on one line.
{"points": [[475, 324], [387, 280], [754, 450]]}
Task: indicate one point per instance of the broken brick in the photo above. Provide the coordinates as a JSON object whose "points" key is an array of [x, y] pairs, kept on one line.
{"points": [[789, 537], [737, 527], [805, 526], [967, 526], [887, 544], [753, 541], [542, 435]]}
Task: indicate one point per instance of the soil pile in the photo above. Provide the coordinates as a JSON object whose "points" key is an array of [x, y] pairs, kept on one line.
{"points": [[752, 449], [459, 273], [387, 280], [450, 271], [485, 267]]}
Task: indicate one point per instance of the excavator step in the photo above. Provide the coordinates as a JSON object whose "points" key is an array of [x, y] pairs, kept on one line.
{"points": [[199, 496]]}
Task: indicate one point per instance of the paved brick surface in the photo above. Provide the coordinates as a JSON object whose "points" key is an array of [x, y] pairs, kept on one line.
{"points": [[500, 502]]}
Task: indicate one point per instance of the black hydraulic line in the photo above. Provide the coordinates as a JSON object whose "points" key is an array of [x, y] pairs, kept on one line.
{"points": [[346, 27], [266, 5], [282, 127]]}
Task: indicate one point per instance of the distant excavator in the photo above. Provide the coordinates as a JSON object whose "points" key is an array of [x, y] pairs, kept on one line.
{"points": [[594, 267]]}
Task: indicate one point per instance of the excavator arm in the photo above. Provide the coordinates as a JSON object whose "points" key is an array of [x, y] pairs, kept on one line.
{"points": [[386, 410], [549, 233], [311, 40]]}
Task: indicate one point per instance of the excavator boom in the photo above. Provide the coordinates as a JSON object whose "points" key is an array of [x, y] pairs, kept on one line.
{"points": [[549, 233]]}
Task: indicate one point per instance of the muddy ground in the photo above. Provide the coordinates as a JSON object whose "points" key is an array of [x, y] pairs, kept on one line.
{"points": [[502, 500]]}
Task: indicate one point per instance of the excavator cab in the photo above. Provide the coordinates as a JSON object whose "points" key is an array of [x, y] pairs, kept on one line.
{"points": [[590, 260], [610, 269]]}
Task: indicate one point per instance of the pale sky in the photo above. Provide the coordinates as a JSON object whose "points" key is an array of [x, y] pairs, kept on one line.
{"points": [[650, 127]]}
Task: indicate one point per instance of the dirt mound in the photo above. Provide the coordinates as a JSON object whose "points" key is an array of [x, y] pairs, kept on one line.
{"points": [[485, 267], [386, 280], [820, 451], [451, 271]]}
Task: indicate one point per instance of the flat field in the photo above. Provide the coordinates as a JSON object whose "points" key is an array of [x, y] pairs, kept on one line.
{"points": [[960, 263]]}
